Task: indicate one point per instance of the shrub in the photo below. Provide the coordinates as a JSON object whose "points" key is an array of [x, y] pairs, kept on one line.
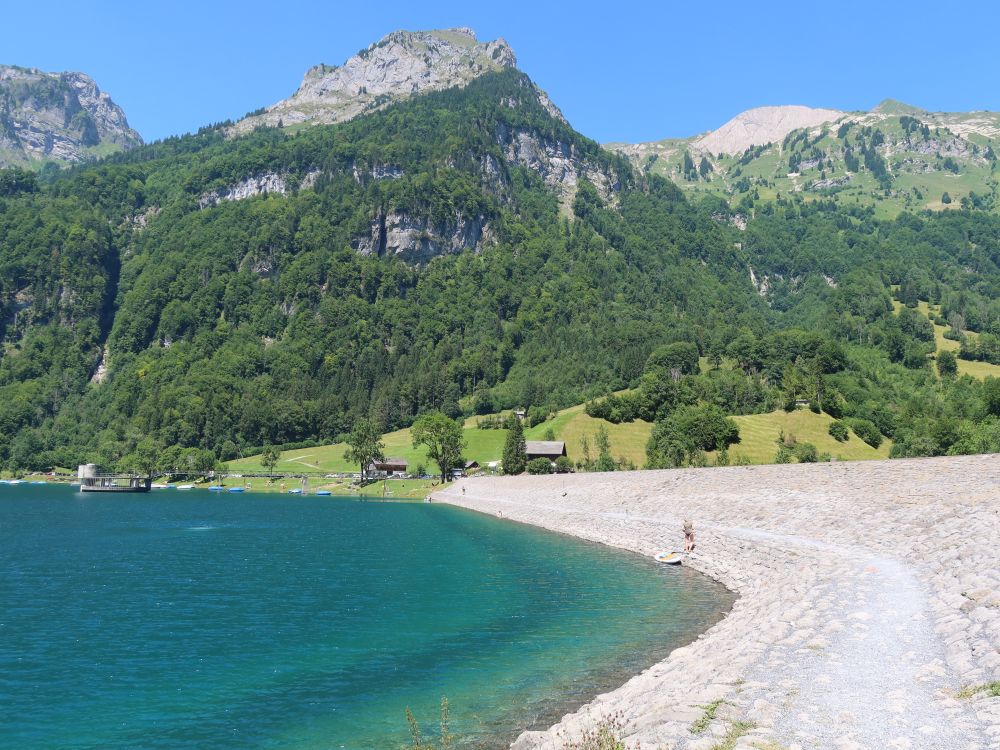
{"points": [[539, 466], [839, 431], [563, 465], [605, 736], [536, 415], [806, 453], [947, 365], [833, 404], [867, 431]]}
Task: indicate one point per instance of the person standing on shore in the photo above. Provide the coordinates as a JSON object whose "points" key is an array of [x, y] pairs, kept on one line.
{"points": [[688, 536]]}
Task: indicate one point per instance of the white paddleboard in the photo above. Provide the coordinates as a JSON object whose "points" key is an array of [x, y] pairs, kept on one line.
{"points": [[669, 558]]}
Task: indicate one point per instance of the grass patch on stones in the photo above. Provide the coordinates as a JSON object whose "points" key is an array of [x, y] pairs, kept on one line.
{"points": [[736, 730], [605, 736], [703, 721], [990, 688]]}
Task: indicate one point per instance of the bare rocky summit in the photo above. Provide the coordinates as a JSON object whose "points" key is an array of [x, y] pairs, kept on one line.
{"points": [[398, 66], [762, 125], [59, 117]]}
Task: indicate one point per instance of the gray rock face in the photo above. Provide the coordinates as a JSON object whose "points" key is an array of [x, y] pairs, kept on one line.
{"points": [[62, 117], [558, 163], [248, 188], [398, 66], [416, 239], [268, 183]]}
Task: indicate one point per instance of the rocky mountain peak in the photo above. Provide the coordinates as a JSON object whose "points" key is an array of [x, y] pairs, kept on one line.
{"points": [[399, 65], [60, 117], [761, 125]]}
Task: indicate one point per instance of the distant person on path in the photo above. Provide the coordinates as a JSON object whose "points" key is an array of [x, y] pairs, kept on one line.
{"points": [[688, 536]]}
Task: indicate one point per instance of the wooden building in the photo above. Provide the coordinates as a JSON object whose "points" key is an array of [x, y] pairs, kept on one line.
{"points": [[550, 449], [393, 467]]}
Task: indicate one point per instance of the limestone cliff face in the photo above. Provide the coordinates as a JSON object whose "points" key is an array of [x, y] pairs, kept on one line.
{"points": [[61, 117], [398, 66], [416, 239], [558, 164]]}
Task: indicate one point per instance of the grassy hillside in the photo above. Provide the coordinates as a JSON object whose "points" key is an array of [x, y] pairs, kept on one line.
{"points": [[570, 425], [759, 434], [628, 440], [977, 370], [483, 446]]}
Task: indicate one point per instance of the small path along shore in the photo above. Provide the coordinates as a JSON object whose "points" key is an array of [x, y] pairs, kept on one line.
{"points": [[869, 598]]}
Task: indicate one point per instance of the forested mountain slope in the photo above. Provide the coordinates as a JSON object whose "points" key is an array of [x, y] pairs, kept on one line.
{"points": [[463, 246]]}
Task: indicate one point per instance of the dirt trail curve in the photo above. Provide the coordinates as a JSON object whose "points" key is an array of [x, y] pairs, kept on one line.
{"points": [[869, 597]]}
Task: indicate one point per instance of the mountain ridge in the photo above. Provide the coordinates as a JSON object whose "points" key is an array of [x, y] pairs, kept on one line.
{"points": [[466, 251], [894, 157], [58, 117], [760, 125], [399, 65]]}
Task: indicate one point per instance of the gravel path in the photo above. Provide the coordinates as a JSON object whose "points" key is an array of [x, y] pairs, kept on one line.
{"points": [[869, 596]]}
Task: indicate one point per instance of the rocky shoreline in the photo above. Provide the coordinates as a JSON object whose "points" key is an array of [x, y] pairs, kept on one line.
{"points": [[869, 600]]}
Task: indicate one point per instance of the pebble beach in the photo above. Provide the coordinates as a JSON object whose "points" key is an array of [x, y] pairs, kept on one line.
{"points": [[868, 614]]}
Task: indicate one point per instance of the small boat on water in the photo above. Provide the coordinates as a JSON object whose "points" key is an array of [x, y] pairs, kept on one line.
{"points": [[16, 481], [158, 486], [295, 491], [670, 558], [185, 486], [216, 488], [323, 493], [235, 489]]}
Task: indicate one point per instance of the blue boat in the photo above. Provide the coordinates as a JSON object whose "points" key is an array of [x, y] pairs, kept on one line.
{"points": [[295, 491], [236, 489], [216, 488], [323, 492]]}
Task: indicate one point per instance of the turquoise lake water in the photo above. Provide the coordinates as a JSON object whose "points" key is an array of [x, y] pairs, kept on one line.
{"points": [[185, 620]]}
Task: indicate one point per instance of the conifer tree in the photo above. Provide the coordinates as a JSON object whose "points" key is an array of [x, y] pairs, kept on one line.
{"points": [[515, 458]]}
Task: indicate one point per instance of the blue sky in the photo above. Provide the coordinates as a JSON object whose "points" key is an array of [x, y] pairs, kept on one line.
{"points": [[628, 71]]}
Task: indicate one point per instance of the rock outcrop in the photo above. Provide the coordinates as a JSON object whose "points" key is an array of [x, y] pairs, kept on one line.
{"points": [[416, 239], [398, 66], [560, 166], [60, 117]]}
